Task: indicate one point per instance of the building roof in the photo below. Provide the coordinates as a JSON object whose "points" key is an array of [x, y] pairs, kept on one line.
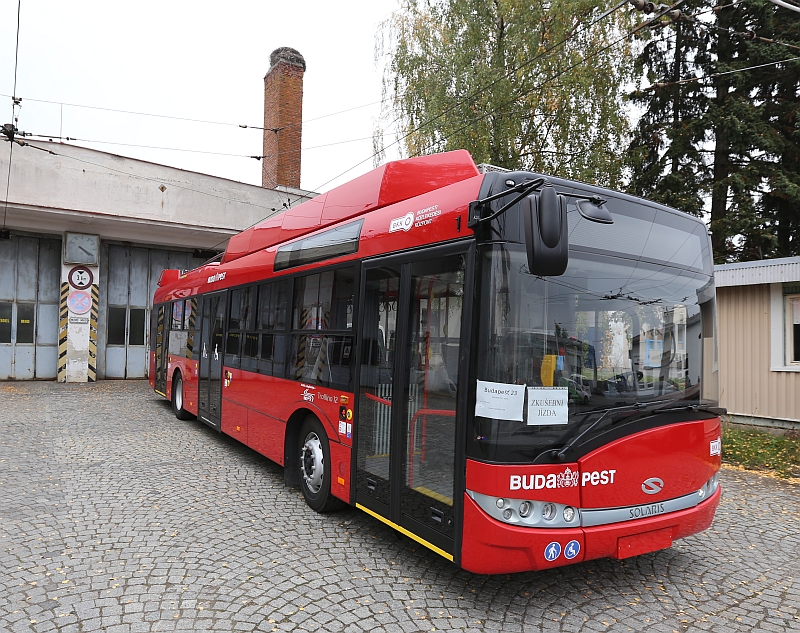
{"points": [[765, 271]]}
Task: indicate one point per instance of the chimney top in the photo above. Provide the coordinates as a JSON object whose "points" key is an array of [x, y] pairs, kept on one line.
{"points": [[288, 56]]}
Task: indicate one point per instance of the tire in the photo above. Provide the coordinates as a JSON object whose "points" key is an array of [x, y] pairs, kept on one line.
{"points": [[315, 467], [177, 399]]}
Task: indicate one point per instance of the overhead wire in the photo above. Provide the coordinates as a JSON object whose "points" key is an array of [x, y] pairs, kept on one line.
{"points": [[191, 120], [715, 75], [558, 74], [194, 151], [475, 92], [14, 104], [482, 88]]}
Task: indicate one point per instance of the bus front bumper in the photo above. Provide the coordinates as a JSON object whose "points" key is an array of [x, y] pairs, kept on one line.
{"points": [[492, 547]]}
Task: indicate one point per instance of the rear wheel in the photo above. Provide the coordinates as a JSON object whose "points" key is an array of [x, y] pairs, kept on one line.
{"points": [[315, 467], [177, 399]]}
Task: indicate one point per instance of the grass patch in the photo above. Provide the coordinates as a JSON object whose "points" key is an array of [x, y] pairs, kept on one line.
{"points": [[760, 450]]}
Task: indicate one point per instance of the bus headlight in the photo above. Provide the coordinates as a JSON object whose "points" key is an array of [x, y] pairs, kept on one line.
{"points": [[527, 512]]}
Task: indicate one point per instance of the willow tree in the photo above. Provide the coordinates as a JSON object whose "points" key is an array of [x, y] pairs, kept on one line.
{"points": [[521, 85]]}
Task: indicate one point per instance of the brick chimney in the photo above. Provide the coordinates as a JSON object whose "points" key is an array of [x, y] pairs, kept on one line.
{"points": [[283, 116]]}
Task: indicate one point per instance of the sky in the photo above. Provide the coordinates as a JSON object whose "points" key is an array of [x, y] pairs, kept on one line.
{"points": [[197, 60]]}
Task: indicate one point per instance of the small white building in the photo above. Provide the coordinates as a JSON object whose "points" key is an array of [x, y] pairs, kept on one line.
{"points": [[758, 306]]}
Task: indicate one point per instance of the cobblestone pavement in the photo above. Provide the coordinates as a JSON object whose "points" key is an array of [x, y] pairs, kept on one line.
{"points": [[116, 517]]}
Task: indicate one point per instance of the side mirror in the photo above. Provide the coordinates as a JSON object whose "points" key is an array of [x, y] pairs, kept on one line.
{"points": [[546, 236]]}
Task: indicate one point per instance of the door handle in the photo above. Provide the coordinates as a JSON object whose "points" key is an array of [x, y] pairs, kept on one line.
{"points": [[372, 485]]}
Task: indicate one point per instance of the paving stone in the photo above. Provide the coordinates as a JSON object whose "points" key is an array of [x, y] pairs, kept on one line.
{"points": [[115, 516]]}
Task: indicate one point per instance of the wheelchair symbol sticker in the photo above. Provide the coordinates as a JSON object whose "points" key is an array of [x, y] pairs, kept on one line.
{"points": [[572, 549], [552, 551]]}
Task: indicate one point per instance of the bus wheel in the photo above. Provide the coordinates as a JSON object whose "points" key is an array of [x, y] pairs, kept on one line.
{"points": [[177, 399], [315, 467]]}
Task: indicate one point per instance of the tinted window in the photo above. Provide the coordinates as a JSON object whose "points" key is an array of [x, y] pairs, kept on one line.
{"points": [[136, 328], [324, 301], [342, 240], [5, 322], [116, 326], [25, 322], [177, 316], [241, 309]]}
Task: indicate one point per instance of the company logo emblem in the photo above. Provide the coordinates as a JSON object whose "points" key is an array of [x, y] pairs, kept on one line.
{"points": [[216, 277], [652, 486], [567, 479], [403, 223], [715, 447]]}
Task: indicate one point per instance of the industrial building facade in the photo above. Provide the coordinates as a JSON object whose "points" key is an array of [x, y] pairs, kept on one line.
{"points": [[86, 235]]}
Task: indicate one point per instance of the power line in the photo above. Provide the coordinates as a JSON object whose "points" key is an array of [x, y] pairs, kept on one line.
{"points": [[480, 89], [715, 75], [10, 132], [204, 121], [195, 151], [475, 92]]}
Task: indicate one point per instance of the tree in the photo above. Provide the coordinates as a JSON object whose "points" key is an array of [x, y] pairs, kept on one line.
{"points": [[493, 78], [666, 159]]}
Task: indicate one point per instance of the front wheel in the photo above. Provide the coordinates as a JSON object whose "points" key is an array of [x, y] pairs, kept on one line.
{"points": [[177, 399], [315, 467]]}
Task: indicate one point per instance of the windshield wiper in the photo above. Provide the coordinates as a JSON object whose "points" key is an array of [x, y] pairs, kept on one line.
{"points": [[561, 455], [649, 407]]}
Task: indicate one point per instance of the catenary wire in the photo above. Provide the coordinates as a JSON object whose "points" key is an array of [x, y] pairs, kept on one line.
{"points": [[522, 65], [480, 89], [178, 118], [196, 151], [13, 112]]}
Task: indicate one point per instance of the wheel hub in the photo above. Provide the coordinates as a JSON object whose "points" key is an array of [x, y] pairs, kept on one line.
{"points": [[312, 463]]}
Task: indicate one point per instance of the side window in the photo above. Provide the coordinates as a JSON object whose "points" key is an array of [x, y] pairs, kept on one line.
{"points": [[190, 323], [268, 345], [239, 322], [792, 329], [322, 321]]}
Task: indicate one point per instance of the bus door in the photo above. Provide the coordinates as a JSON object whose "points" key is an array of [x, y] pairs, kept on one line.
{"points": [[212, 332], [409, 387], [160, 346]]}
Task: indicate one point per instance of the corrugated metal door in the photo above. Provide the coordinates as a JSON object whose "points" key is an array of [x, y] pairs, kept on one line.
{"points": [[30, 271], [126, 299]]}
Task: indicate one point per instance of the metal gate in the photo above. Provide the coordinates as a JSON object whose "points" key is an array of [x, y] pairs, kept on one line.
{"points": [[128, 279], [30, 273]]}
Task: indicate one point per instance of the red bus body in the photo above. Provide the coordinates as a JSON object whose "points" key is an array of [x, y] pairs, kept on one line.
{"points": [[262, 411]]}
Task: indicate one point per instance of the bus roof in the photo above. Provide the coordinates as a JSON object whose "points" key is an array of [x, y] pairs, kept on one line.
{"points": [[390, 183]]}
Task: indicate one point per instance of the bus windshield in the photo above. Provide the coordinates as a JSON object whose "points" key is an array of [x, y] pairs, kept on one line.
{"points": [[615, 339]]}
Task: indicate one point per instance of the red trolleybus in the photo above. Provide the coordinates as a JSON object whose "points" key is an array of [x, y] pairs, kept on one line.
{"points": [[519, 372]]}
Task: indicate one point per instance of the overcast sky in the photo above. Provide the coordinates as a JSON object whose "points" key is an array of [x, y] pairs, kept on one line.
{"points": [[198, 60]]}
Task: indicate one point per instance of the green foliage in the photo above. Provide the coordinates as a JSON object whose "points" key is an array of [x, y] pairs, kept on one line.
{"points": [[726, 143], [759, 450], [482, 76]]}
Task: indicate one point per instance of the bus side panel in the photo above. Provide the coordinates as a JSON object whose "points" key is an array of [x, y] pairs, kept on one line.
{"points": [[266, 435], [234, 420], [340, 471], [190, 386]]}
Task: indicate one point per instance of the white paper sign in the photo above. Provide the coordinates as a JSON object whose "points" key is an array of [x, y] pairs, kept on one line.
{"points": [[500, 400], [548, 405]]}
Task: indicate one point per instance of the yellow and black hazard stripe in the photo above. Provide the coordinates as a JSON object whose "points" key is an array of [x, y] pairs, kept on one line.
{"points": [[93, 333], [63, 324]]}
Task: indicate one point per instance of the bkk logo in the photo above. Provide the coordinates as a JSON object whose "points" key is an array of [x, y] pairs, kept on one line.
{"points": [[402, 224]]}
